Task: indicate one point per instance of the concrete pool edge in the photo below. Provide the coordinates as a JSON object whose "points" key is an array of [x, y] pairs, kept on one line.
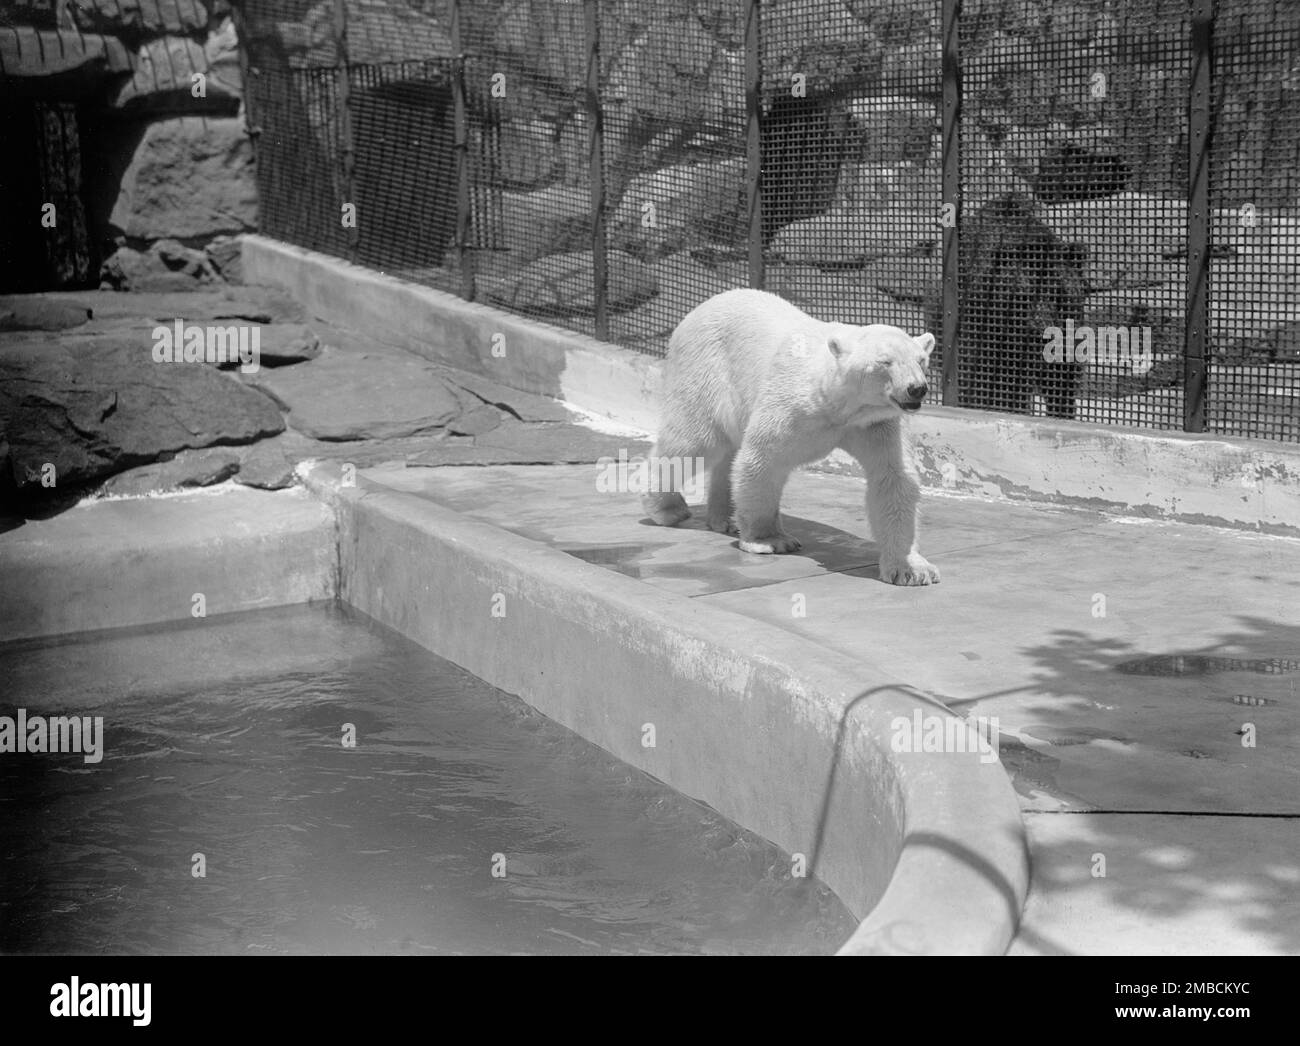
{"points": [[1237, 483], [928, 850], [122, 562]]}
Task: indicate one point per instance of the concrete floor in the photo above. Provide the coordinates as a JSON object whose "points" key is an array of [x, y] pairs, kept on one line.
{"points": [[1153, 828]]}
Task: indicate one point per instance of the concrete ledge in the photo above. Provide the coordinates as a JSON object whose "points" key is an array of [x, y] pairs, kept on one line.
{"points": [[1238, 483], [784, 737], [533, 356], [111, 564]]}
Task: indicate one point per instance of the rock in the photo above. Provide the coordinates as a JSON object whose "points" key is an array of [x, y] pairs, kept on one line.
{"points": [[475, 421], [189, 177], [683, 283], [523, 405], [828, 45], [166, 266], [842, 297], [840, 238], [1284, 343], [377, 32], [528, 153], [268, 464], [190, 468], [915, 69], [135, 18], [225, 254], [876, 186], [547, 41], [221, 49], [1129, 237], [283, 344], [67, 60], [543, 222], [573, 145], [112, 310], [563, 285], [986, 174], [990, 65], [32, 313], [664, 211], [519, 443], [909, 279], [675, 72], [163, 80], [1064, 164], [890, 128], [348, 395], [97, 407], [1068, 173], [1246, 313]]}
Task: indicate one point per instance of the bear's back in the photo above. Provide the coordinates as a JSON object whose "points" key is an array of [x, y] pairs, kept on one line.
{"points": [[733, 346]]}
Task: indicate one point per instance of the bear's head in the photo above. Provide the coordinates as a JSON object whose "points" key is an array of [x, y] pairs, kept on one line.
{"points": [[883, 366]]}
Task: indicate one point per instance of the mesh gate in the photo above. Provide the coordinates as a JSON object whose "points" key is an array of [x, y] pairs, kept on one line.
{"points": [[1095, 204]]}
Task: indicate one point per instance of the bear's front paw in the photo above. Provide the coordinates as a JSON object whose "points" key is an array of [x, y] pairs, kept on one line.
{"points": [[914, 570], [775, 544]]}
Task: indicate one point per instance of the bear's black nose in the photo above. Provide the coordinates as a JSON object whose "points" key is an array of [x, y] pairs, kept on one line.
{"points": [[918, 391]]}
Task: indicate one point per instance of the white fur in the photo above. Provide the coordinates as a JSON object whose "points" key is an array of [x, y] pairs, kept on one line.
{"points": [[757, 388]]}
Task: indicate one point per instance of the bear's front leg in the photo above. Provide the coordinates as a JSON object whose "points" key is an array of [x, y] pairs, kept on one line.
{"points": [[893, 499], [757, 480]]}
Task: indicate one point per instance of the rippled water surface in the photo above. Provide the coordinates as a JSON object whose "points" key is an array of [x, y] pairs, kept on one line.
{"points": [[223, 738]]}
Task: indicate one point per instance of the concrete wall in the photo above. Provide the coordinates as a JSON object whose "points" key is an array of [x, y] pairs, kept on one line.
{"points": [[113, 564], [784, 737], [1247, 484]]}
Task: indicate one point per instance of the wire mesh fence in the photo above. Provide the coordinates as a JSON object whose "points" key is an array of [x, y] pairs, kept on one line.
{"points": [[1095, 204]]}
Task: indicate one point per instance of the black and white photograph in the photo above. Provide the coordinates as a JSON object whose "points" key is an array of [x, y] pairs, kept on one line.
{"points": [[591, 478]]}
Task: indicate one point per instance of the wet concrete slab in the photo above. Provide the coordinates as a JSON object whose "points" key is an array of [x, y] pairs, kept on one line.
{"points": [[1089, 720], [565, 506], [1118, 884], [1144, 675]]}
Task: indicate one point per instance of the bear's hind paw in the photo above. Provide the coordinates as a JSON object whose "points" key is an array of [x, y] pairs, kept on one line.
{"points": [[666, 510]]}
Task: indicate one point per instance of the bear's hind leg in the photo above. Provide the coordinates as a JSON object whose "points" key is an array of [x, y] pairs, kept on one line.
{"points": [[666, 508], [663, 503], [721, 509]]}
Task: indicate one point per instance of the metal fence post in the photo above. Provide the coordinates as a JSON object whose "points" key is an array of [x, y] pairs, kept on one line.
{"points": [[754, 139], [596, 170], [950, 209], [347, 145], [1200, 128], [460, 132]]}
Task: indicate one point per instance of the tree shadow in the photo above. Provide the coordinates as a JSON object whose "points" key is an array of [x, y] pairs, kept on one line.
{"points": [[1214, 846]]}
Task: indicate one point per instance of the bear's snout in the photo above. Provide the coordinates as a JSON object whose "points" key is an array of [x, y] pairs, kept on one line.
{"points": [[913, 395]]}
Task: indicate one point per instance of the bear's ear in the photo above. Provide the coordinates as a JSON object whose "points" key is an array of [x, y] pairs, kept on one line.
{"points": [[926, 342], [837, 347]]}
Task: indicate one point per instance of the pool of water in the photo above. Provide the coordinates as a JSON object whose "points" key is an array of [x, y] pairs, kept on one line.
{"points": [[224, 738]]}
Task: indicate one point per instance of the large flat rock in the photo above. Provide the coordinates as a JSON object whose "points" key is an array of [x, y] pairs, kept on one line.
{"points": [[350, 395], [190, 468], [112, 310], [96, 407]]}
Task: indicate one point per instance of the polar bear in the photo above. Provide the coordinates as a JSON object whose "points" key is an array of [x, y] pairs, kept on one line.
{"points": [[756, 387]]}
